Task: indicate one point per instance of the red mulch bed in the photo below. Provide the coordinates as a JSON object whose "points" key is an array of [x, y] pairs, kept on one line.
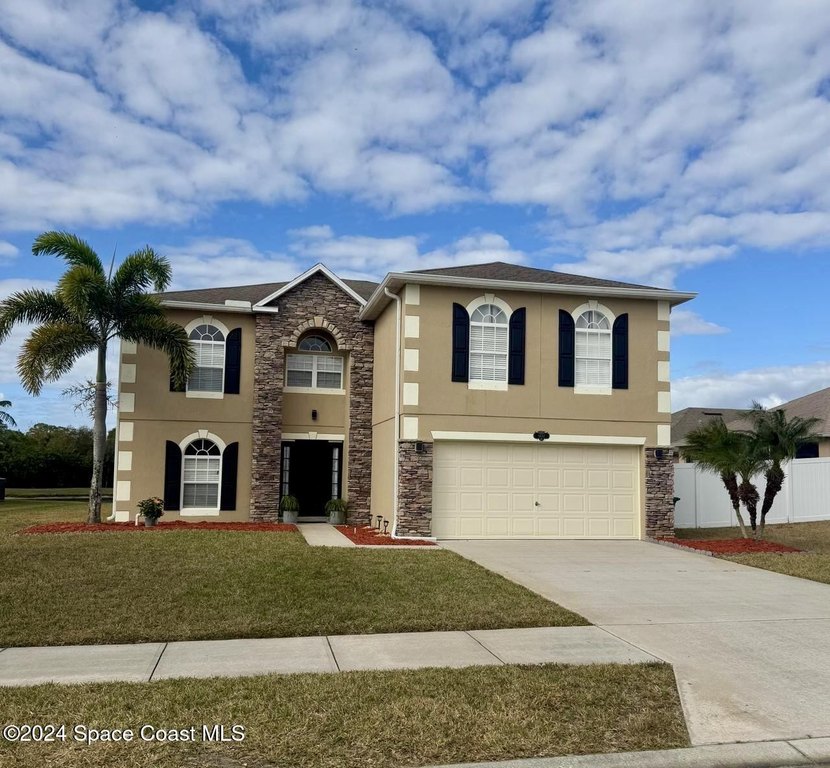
{"points": [[173, 525], [731, 546], [369, 535]]}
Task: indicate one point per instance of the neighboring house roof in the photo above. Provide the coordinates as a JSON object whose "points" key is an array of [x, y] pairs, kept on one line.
{"points": [[683, 422], [499, 275], [815, 405]]}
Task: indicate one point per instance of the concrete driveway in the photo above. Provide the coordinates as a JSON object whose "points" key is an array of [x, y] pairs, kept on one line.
{"points": [[750, 648]]}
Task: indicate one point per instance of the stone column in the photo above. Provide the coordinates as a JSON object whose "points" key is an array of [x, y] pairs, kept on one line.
{"points": [[267, 419], [414, 489], [659, 492]]}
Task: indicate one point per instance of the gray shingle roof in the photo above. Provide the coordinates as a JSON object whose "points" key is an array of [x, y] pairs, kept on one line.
{"points": [[500, 270], [683, 422], [252, 293], [815, 405]]}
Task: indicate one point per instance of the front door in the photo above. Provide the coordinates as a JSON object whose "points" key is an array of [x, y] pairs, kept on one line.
{"points": [[313, 468]]}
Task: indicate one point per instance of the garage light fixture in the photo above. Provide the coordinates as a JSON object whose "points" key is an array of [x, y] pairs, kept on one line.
{"points": [[541, 435]]}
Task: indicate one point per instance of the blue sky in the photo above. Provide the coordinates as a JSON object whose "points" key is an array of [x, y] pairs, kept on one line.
{"points": [[682, 144]]}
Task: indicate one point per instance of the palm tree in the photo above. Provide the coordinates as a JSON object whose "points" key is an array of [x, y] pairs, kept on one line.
{"points": [[715, 449], [88, 309], [749, 462], [5, 417], [778, 439]]}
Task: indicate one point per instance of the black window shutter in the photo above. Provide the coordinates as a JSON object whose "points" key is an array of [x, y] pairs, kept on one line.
{"points": [[460, 343], [516, 356], [172, 476], [233, 361], [230, 461], [619, 353], [567, 338]]}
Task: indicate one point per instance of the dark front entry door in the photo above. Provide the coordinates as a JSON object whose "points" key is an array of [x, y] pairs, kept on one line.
{"points": [[314, 473]]}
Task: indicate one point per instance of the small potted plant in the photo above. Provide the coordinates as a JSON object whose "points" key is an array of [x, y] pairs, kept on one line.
{"points": [[151, 510], [290, 508], [336, 510]]}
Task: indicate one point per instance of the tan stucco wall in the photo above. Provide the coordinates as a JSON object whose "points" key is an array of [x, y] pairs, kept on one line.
{"points": [[824, 449], [540, 403], [383, 469], [383, 391], [159, 415], [297, 408]]}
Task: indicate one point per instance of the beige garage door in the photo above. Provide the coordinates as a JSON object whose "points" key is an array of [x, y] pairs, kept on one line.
{"points": [[520, 490]]}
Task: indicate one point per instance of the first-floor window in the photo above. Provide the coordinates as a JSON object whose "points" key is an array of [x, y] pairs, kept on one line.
{"points": [[201, 475], [314, 371]]}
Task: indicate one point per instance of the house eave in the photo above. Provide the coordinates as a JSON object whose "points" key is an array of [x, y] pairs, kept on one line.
{"points": [[207, 306], [262, 306], [394, 281]]}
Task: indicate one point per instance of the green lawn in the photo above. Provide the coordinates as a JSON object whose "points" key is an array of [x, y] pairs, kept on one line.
{"points": [[57, 493], [813, 538], [403, 718], [63, 589]]}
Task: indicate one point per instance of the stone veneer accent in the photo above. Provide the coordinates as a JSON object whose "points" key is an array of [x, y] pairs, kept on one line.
{"points": [[414, 489], [659, 492], [314, 303]]}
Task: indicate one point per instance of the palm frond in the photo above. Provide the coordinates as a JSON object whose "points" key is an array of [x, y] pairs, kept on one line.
{"points": [[134, 308], [6, 418], [780, 436], [71, 248], [84, 291], [140, 271], [169, 337], [51, 351], [29, 307]]}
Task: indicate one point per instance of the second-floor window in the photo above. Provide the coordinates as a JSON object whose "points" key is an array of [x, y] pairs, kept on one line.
{"points": [[208, 375], [592, 350], [314, 366], [488, 344]]}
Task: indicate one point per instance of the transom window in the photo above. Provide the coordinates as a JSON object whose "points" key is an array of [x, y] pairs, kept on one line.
{"points": [[201, 475], [593, 350], [208, 375], [488, 343], [315, 344]]}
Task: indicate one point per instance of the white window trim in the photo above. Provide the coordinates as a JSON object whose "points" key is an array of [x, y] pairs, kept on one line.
{"points": [[313, 389], [209, 320], [481, 384], [202, 434], [593, 389]]}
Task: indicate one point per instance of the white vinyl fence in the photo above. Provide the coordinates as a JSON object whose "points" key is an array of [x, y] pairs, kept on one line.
{"points": [[704, 503]]}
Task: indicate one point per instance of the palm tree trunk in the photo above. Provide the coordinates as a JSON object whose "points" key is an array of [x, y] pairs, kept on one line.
{"points": [[730, 482], [99, 435], [749, 496], [775, 480]]}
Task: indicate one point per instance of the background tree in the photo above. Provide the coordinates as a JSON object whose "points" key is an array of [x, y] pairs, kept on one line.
{"points": [[715, 449], [89, 309], [5, 417], [778, 439]]}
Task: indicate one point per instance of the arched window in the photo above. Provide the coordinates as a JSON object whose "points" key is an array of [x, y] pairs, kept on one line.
{"points": [[201, 475], [208, 343], [488, 343], [314, 366], [314, 343], [593, 350]]}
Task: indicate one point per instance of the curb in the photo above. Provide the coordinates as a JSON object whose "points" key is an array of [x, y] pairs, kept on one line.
{"points": [[760, 754]]}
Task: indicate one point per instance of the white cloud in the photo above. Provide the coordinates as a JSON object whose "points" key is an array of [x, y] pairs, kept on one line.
{"points": [[684, 322], [7, 251], [769, 386], [198, 263], [652, 134]]}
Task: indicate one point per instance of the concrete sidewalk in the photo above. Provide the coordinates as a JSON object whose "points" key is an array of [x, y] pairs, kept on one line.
{"points": [[144, 662], [323, 535], [764, 754]]}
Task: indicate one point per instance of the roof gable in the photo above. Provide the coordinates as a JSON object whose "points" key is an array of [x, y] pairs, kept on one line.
{"points": [[316, 269]]}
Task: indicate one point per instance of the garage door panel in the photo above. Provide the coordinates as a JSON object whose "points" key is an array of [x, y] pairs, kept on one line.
{"points": [[503, 490]]}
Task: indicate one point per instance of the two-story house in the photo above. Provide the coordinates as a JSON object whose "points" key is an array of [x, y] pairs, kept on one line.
{"points": [[486, 401]]}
